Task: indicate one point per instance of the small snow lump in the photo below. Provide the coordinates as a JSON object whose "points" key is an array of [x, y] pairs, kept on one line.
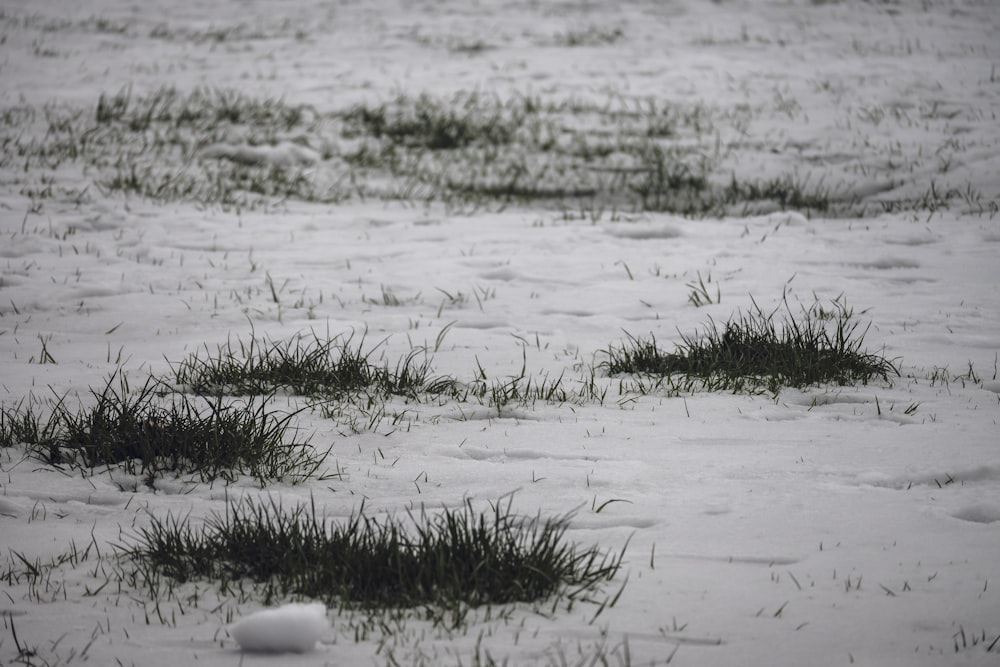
{"points": [[290, 628]]}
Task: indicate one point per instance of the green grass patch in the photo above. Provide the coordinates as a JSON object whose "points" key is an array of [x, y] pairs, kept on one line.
{"points": [[204, 109], [152, 432], [756, 351], [590, 36], [24, 424], [151, 145], [524, 391], [469, 150], [780, 193], [336, 367], [223, 183], [434, 124], [444, 559], [354, 390]]}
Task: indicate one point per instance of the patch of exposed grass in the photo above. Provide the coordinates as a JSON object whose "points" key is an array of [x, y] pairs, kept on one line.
{"points": [[480, 150], [148, 435], [426, 122], [627, 155], [469, 150], [222, 183], [780, 193], [154, 145], [524, 391], [445, 559], [350, 388], [756, 350], [307, 366], [664, 180], [23, 424], [202, 109], [589, 36]]}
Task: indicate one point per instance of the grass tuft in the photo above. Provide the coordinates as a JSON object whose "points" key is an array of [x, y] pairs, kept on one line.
{"points": [[447, 559], [147, 435], [22, 424], [755, 351], [434, 124], [307, 366]]}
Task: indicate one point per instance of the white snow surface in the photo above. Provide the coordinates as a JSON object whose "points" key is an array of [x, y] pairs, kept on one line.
{"points": [[827, 526], [290, 628]]}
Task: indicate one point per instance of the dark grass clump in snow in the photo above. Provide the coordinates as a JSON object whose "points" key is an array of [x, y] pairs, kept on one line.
{"points": [[341, 378], [316, 367], [447, 559], [754, 351], [524, 391], [152, 145], [144, 435], [426, 122], [628, 154], [22, 424], [204, 108]]}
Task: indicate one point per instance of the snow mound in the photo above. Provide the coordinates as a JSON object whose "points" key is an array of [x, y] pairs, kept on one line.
{"points": [[284, 154], [979, 513], [888, 263], [939, 478], [291, 628], [644, 232], [9, 508]]}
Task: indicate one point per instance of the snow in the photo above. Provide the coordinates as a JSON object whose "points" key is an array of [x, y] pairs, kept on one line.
{"points": [[284, 154], [290, 628], [827, 526]]}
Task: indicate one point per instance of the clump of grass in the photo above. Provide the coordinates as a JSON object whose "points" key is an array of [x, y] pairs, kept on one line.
{"points": [[589, 36], [202, 109], [782, 193], [223, 183], [447, 559], [150, 144], [147, 436], [334, 367], [521, 391], [664, 181], [524, 391], [340, 376], [426, 122], [755, 351], [22, 424]]}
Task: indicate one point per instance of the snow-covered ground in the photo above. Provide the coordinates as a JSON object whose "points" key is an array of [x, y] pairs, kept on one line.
{"points": [[828, 526]]}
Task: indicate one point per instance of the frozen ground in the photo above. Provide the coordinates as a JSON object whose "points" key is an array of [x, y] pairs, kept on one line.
{"points": [[830, 526]]}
